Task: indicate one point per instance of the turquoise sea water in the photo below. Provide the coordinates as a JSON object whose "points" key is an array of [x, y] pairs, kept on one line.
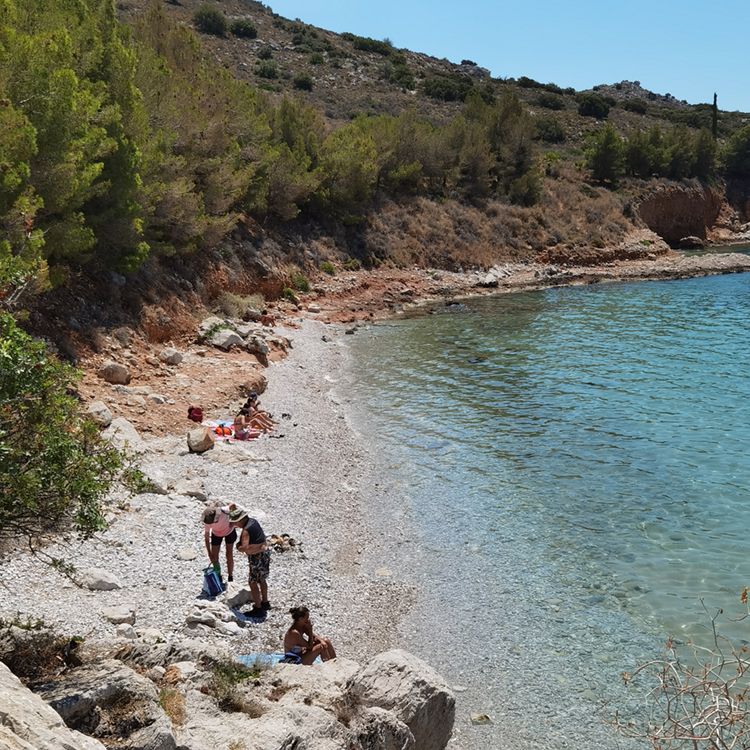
{"points": [[571, 469]]}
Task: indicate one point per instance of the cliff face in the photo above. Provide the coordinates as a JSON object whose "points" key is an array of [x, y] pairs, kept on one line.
{"points": [[675, 211]]}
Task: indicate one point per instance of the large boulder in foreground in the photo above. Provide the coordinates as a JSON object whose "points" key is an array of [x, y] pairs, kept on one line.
{"points": [[28, 723], [401, 683]]}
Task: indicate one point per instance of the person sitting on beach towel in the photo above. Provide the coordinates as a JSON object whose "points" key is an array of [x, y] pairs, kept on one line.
{"points": [[258, 418], [302, 642], [244, 429]]}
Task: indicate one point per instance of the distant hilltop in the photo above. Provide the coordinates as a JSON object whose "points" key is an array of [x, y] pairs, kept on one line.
{"points": [[625, 90]]}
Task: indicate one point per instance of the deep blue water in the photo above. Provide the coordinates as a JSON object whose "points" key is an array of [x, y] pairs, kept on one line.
{"points": [[572, 465]]}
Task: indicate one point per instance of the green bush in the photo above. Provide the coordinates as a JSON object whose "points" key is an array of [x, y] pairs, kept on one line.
{"points": [[550, 101], [593, 105], [635, 105], [606, 156], [317, 59], [267, 69], [299, 281], [351, 264], [55, 469], [327, 267], [736, 155], [265, 53], [396, 70], [550, 130], [447, 88], [243, 28], [303, 81], [288, 293], [210, 21], [366, 44]]}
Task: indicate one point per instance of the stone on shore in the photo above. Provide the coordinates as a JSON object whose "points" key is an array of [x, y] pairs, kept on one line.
{"points": [[254, 381], [114, 372], [225, 339], [691, 243], [170, 356], [200, 440], [100, 413], [122, 434], [123, 613], [98, 579], [403, 684], [28, 723]]}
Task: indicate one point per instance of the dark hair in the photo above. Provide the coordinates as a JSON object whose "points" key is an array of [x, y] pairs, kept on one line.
{"points": [[244, 411], [209, 515], [298, 613]]}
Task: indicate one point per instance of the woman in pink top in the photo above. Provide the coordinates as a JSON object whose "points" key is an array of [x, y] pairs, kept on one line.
{"points": [[218, 530]]}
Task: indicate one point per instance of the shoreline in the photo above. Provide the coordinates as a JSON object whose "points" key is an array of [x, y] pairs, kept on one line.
{"points": [[362, 296]]}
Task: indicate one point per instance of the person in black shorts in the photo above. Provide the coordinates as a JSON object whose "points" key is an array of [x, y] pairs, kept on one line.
{"points": [[253, 543], [218, 529]]}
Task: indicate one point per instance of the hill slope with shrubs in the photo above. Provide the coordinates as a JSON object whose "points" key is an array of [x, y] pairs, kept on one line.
{"points": [[143, 146]]}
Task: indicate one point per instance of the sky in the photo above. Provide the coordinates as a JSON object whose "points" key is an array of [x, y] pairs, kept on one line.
{"points": [[688, 49]]}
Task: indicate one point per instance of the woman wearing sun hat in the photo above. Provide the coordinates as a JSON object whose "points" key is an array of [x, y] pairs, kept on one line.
{"points": [[253, 543]]}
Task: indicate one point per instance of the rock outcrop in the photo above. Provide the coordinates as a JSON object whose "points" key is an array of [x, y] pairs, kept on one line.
{"points": [[28, 723], [677, 211]]}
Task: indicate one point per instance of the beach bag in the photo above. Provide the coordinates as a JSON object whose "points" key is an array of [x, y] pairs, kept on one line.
{"points": [[290, 658], [212, 582], [195, 414]]}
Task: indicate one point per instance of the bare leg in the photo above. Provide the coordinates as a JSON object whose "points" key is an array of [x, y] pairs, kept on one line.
{"points": [[230, 560], [264, 590], [213, 556], [255, 593]]}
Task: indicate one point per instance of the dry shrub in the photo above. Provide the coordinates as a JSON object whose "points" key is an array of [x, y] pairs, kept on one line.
{"points": [[224, 684], [173, 703], [34, 652], [235, 305]]}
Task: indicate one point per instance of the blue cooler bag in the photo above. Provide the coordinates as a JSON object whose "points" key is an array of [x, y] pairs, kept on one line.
{"points": [[211, 582]]}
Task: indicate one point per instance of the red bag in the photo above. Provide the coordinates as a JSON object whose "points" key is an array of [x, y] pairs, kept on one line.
{"points": [[195, 414]]}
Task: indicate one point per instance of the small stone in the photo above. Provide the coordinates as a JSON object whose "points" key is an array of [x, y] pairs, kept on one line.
{"points": [[480, 719], [313, 307], [151, 635], [100, 413], [124, 613], [170, 356], [126, 631], [156, 674], [229, 628], [351, 331], [186, 669], [201, 618], [188, 553], [191, 488], [98, 579], [383, 572], [114, 372], [157, 398]]}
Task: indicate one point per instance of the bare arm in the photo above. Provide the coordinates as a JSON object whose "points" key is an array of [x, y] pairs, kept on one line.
{"points": [[247, 548]]}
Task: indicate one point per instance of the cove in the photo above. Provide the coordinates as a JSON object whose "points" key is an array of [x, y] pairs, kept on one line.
{"points": [[572, 467]]}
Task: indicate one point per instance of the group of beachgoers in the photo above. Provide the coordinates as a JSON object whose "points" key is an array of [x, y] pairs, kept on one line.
{"points": [[250, 422], [232, 526]]}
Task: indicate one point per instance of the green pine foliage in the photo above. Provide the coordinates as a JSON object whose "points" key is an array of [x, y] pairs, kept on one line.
{"points": [[119, 144], [210, 21], [55, 469]]}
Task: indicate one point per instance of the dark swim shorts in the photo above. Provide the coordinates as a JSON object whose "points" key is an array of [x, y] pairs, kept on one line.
{"points": [[230, 538], [260, 564]]}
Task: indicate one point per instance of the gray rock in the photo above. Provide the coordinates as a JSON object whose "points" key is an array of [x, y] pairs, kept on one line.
{"points": [[28, 723], [98, 579], [170, 356], [245, 329], [211, 323], [692, 243], [200, 440], [378, 729], [157, 398], [126, 631], [225, 339], [191, 488], [100, 413], [202, 618], [91, 698], [123, 613], [122, 434], [114, 372], [187, 554], [403, 684], [489, 280], [313, 307]]}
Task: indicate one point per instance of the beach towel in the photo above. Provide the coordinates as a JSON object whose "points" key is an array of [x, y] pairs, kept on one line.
{"points": [[268, 660]]}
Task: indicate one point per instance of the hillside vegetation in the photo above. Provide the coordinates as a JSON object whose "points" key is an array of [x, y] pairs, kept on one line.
{"points": [[161, 136]]}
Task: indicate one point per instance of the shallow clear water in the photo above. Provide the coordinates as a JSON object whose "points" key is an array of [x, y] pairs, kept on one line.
{"points": [[572, 464]]}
